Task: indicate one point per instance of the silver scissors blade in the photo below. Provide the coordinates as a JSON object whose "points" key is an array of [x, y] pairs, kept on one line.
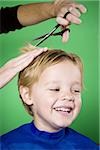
{"points": [[47, 35]]}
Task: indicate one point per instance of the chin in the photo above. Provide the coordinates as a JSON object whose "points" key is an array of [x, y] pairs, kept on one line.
{"points": [[63, 124]]}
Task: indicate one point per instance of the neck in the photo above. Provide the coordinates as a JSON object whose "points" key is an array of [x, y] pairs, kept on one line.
{"points": [[46, 127]]}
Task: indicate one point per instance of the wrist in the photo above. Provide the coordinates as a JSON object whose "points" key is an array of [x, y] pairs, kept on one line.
{"points": [[53, 12], [58, 5], [56, 8], [10, 68]]}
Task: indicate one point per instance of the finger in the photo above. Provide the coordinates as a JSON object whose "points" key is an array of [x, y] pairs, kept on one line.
{"points": [[73, 19], [62, 21], [38, 51], [74, 11], [24, 60], [33, 53], [65, 36], [62, 12], [22, 64], [81, 7], [21, 57]]}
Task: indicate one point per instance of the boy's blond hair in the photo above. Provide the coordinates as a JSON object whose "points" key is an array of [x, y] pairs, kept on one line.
{"points": [[28, 76]]}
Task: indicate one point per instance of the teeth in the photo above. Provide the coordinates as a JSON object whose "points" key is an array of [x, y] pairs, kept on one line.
{"points": [[63, 109]]}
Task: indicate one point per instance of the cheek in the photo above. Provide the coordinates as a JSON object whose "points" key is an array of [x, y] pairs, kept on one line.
{"points": [[78, 102], [53, 95], [42, 99]]}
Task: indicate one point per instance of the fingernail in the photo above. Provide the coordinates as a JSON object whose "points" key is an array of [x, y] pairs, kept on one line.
{"points": [[85, 10], [79, 21], [45, 49], [62, 21]]}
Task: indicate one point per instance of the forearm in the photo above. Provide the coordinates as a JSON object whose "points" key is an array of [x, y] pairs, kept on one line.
{"points": [[6, 74], [34, 13]]}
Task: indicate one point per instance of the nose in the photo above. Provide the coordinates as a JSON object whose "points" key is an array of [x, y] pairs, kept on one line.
{"points": [[68, 97], [71, 99]]}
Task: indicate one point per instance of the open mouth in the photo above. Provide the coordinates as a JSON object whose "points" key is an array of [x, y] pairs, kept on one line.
{"points": [[64, 109]]}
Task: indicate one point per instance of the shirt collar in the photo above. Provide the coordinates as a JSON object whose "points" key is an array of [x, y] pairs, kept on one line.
{"points": [[47, 135]]}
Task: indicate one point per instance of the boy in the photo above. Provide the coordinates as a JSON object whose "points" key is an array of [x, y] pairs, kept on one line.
{"points": [[50, 89]]}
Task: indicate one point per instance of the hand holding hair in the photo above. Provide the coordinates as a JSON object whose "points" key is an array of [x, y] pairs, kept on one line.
{"points": [[12, 67]]}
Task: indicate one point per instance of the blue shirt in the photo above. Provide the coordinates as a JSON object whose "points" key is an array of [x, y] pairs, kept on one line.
{"points": [[28, 137]]}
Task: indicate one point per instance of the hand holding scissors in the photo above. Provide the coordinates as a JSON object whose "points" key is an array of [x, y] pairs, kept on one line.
{"points": [[75, 9], [69, 14]]}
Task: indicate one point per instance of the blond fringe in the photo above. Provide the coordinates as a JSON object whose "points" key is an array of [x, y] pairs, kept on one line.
{"points": [[28, 48]]}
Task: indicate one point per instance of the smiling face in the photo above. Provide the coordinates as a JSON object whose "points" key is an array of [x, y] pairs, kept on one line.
{"points": [[56, 96]]}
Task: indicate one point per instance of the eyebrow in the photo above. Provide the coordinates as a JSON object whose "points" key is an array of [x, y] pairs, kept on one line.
{"points": [[57, 82], [77, 83], [52, 82]]}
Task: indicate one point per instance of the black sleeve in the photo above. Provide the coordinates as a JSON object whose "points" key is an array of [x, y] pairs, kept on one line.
{"points": [[8, 19]]}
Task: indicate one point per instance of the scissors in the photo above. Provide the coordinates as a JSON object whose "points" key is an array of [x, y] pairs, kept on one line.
{"points": [[51, 33]]}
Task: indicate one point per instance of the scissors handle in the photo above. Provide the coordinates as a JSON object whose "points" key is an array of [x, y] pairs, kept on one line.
{"points": [[63, 17]]}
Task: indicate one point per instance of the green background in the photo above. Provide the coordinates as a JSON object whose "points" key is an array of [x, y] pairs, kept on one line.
{"points": [[83, 41]]}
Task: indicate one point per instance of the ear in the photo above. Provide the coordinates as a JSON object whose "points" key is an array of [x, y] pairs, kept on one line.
{"points": [[25, 94]]}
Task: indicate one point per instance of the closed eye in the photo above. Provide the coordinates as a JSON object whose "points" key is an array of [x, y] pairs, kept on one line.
{"points": [[77, 91], [57, 89]]}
